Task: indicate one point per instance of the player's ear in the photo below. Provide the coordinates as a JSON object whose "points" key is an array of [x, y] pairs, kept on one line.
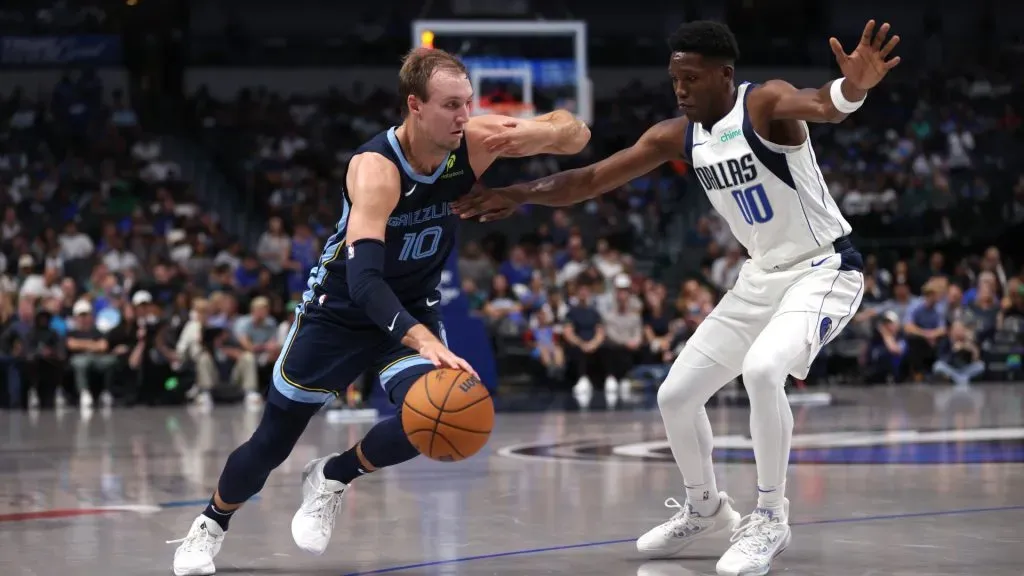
{"points": [[413, 103], [728, 73]]}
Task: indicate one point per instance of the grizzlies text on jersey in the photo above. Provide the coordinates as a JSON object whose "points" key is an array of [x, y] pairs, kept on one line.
{"points": [[420, 236]]}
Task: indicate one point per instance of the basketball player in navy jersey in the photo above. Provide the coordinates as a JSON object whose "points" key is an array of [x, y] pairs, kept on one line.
{"points": [[372, 300], [750, 150]]}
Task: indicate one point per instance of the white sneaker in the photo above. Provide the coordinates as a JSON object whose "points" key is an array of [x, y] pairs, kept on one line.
{"points": [[203, 401], [253, 401], [85, 400], [313, 523], [106, 399], [760, 537], [686, 527], [195, 555]]}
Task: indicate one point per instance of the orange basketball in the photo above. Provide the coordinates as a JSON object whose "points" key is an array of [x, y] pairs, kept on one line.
{"points": [[448, 415]]}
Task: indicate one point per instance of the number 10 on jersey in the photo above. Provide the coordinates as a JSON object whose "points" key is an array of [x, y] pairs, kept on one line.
{"points": [[422, 244], [754, 204]]}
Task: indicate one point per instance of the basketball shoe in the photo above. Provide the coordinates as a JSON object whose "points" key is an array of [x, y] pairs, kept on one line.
{"points": [[760, 537], [195, 555], [313, 523], [686, 527]]}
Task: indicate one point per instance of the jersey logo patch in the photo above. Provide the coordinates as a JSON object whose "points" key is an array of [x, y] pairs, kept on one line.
{"points": [[448, 168], [730, 135], [411, 190], [351, 251], [824, 329]]}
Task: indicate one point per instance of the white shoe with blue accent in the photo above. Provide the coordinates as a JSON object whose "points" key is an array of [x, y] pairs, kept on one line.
{"points": [[759, 538]]}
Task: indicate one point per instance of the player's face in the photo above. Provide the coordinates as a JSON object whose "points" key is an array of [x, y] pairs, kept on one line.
{"points": [[445, 113], [701, 86]]}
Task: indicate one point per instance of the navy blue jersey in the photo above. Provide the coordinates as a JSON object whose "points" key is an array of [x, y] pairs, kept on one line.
{"points": [[421, 233]]}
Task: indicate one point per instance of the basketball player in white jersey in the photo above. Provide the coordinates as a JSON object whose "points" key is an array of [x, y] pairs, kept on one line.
{"points": [[750, 148]]}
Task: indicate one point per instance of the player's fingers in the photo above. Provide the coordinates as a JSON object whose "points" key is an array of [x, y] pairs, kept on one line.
{"points": [[463, 365], [837, 49], [869, 30], [510, 123], [889, 46], [880, 37], [892, 63]]}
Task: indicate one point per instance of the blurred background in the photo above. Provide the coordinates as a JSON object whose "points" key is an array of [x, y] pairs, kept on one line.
{"points": [[169, 170]]}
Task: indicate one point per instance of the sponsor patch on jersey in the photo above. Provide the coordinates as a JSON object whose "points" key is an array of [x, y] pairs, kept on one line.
{"points": [[731, 134], [824, 329]]}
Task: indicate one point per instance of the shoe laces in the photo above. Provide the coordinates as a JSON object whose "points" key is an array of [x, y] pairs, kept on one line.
{"points": [[324, 507], [682, 523], [755, 532], [198, 540]]}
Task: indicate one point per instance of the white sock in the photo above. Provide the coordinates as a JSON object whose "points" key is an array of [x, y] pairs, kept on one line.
{"points": [[704, 498], [771, 497]]}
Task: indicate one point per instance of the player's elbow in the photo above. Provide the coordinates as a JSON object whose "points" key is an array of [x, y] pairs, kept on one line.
{"points": [[580, 138]]}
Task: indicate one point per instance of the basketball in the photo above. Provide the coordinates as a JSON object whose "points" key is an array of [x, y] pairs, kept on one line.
{"points": [[448, 415]]}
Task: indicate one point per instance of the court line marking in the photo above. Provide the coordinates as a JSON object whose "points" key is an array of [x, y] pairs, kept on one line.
{"points": [[96, 510], [531, 551]]}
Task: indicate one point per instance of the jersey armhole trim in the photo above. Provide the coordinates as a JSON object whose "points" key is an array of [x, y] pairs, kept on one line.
{"points": [[776, 162], [688, 142]]}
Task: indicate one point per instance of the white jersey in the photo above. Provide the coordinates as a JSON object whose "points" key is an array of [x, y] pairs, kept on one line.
{"points": [[773, 197]]}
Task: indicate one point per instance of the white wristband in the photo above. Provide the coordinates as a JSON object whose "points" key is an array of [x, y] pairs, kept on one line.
{"points": [[840, 101]]}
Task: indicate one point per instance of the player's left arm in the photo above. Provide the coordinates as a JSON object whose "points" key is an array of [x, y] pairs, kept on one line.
{"points": [[494, 136], [862, 70]]}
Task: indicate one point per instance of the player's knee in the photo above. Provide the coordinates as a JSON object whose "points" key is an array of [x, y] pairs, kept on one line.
{"points": [[678, 391], [276, 435], [761, 368]]}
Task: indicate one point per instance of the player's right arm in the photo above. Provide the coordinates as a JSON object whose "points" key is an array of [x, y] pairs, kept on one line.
{"points": [[373, 184], [661, 143]]}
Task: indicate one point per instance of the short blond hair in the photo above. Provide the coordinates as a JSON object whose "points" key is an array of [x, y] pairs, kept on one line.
{"points": [[418, 66]]}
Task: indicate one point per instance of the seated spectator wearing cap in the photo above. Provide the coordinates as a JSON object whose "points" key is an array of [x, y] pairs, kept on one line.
{"points": [[925, 326], [959, 356], [624, 329], [153, 357], [88, 352], [886, 351]]}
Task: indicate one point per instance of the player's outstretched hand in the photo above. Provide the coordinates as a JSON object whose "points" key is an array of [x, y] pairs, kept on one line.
{"points": [[487, 204], [442, 357], [867, 65]]}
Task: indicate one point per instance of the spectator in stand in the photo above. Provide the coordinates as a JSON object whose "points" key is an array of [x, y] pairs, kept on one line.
{"points": [[887, 351], [584, 334], [959, 357], [257, 334], [503, 311], [982, 314], [516, 270], [88, 352], [726, 269], [659, 329], [546, 348], [475, 265], [925, 326], [624, 336]]}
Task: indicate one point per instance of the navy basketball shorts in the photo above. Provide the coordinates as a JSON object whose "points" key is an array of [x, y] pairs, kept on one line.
{"points": [[321, 357]]}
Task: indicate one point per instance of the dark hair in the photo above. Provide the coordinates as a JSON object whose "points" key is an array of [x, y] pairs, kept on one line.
{"points": [[707, 38], [417, 68]]}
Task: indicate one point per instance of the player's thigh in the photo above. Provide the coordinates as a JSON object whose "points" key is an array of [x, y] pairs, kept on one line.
{"points": [[727, 333], [398, 366], [320, 358], [812, 313]]}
